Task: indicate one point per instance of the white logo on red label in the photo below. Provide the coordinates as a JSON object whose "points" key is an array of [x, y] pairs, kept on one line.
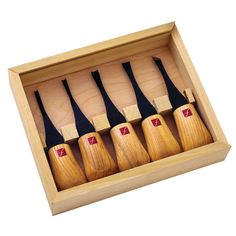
{"points": [[61, 152], [156, 122], [92, 140], [124, 130], [187, 112]]}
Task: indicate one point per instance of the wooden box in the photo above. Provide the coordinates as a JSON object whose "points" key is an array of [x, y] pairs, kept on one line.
{"points": [[163, 41]]}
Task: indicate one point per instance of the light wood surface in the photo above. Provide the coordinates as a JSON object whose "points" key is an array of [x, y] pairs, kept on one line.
{"points": [[132, 114], [69, 133], [189, 95], [129, 150], [192, 131], [43, 140], [101, 123], [45, 75], [163, 105], [97, 161], [66, 171], [160, 141]]}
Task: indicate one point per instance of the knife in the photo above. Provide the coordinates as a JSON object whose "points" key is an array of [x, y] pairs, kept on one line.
{"points": [[66, 171], [160, 141], [192, 131], [129, 150], [97, 161]]}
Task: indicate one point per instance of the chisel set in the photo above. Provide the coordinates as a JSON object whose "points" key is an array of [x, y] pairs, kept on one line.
{"points": [[129, 150], [115, 116]]}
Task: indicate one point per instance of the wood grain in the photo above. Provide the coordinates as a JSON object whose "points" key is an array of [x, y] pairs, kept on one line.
{"points": [[192, 131], [97, 161], [160, 141], [66, 171], [129, 150]]}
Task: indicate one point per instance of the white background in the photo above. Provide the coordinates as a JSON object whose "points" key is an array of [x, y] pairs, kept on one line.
{"points": [[202, 202]]}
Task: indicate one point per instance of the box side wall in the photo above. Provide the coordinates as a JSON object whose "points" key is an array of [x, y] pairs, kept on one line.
{"points": [[192, 80], [88, 50], [33, 136]]}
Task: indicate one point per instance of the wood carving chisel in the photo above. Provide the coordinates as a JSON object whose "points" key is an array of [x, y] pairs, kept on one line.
{"points": [[160, 141], [129, 150], [97, 161], [66, 171], [193, 132]]}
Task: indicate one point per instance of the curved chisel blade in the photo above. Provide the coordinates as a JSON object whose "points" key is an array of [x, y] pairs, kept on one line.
{"points": [[83, 125], [113, 114], [175, 96], [52, 136], [145, 107]]}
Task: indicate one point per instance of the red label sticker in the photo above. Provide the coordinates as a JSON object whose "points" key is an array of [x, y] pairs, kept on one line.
{"points": [[187, 112], [156, 122], [61, 152], [92, 140], [124, 130]]}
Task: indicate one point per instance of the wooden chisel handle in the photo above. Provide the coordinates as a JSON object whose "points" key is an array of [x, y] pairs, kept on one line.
{"points": [[192, 131], [97, 161], [160, 141], [66, 171], [129, 150]]}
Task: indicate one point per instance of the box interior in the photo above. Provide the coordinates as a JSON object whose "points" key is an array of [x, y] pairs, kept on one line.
{"points": [[78, 73]]}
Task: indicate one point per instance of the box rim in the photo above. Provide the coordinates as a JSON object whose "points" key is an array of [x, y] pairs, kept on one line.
{"points": [[92, 49]]}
